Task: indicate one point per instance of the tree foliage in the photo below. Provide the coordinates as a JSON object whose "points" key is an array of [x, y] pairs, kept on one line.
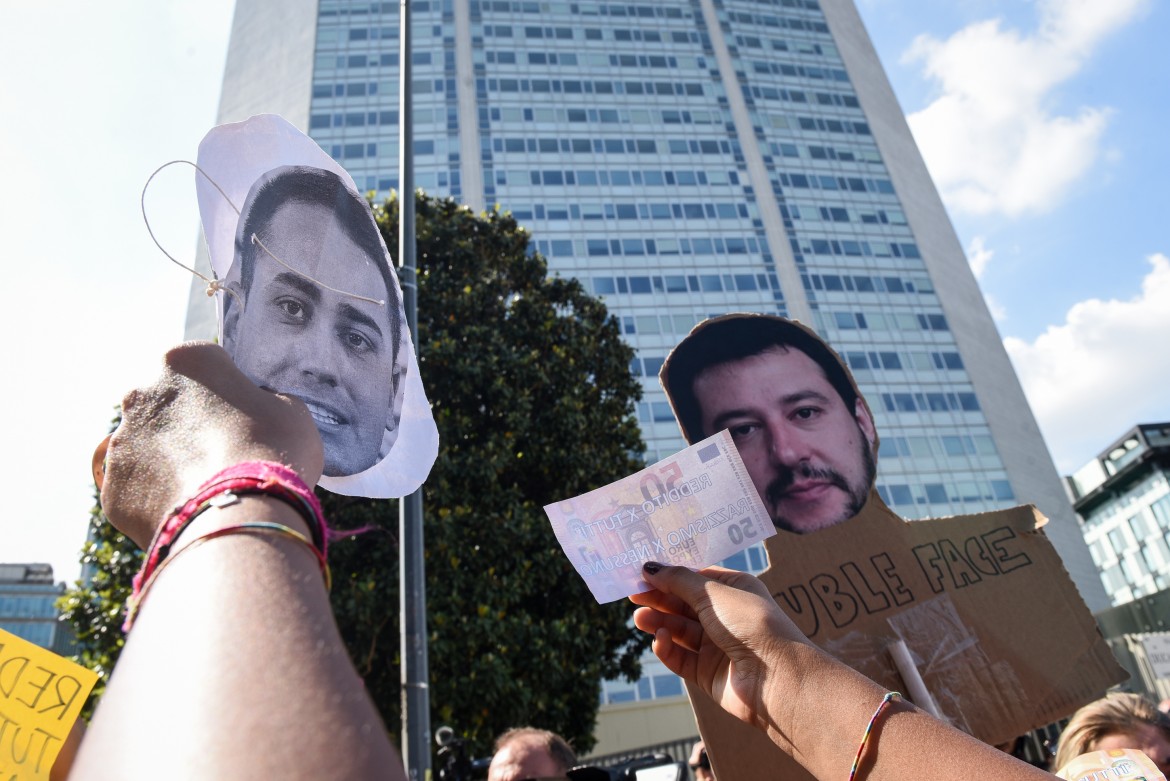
{"points": [[530, 386]]}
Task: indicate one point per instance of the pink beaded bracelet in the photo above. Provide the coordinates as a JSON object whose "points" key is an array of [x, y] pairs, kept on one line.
{"points": [[250, 477]]}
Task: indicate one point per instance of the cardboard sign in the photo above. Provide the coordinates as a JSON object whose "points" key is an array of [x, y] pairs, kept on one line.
{"points": [[41, 696], [975, 616], [1158, 653], [1000, 636]]}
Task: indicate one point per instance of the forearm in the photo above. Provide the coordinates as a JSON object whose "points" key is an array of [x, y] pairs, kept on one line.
{"points": [[721, 630], [821, 717], [235, 669]]}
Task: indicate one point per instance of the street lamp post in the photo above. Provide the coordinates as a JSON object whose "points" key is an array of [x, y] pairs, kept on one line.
{"points": [[416, 708]]}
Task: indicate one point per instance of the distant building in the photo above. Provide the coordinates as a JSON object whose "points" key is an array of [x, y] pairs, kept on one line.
{"points": [[28, 606], [1136, 633], [1123, 499]]}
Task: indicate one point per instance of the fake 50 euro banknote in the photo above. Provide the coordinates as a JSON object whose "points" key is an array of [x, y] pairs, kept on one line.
{"points": [[693, 509]]}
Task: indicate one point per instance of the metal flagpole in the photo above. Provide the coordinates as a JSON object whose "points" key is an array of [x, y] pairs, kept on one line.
{"points": [[416, 707]]}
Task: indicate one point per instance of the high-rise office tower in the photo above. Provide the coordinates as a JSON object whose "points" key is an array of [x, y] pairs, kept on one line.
{"points": [[685, 158]]}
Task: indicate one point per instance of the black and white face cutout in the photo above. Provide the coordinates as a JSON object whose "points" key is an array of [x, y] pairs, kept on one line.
{"points": [[314, 308]]}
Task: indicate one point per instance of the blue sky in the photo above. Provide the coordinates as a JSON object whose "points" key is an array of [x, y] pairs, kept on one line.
{"points": [[1043, 122]]}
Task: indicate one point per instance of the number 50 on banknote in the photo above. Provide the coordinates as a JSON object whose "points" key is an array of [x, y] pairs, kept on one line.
{"points": [[693, 509]]}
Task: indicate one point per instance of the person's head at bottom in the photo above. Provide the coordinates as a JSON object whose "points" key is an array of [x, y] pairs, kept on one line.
{"points": [[529, 753], [1117, 720], [700, 764], [805, 435], [335, 352]]}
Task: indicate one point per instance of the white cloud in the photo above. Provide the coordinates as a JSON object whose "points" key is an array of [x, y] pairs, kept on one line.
{"points": [[1101, 372], [991, 139], [978, 255], [998, 311]]}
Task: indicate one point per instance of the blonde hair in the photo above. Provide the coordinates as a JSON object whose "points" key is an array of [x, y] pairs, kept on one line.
{"points": [[1119, 713]]}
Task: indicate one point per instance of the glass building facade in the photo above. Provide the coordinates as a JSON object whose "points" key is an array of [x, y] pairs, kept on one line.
{"points": [[28, 605], [1123, 499], [687, 158]]}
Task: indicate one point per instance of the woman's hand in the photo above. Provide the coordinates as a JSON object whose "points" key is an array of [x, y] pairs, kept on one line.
{"points": [[720, 630], [201, 416]]}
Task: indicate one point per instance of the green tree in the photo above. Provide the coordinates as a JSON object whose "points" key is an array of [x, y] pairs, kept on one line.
{"points": [[530, 386]]}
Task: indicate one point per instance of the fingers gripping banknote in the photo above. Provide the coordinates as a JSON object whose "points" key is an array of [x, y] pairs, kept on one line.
{"points": [[693, 509]]}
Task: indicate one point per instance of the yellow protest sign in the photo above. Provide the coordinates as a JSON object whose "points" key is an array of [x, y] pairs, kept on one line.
{"points": [[41, 695]]}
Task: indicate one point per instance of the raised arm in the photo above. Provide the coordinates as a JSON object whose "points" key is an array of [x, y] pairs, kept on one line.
{"points": [[234, 667], [721, 630]]}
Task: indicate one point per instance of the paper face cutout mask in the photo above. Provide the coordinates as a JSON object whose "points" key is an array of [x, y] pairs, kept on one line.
{"points": [[962, 595], [314, 309], [804, 431]]}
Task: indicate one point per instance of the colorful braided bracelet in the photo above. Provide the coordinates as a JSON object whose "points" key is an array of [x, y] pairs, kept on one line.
{"points": [[890, 696], [225, 488], [134, 603]]}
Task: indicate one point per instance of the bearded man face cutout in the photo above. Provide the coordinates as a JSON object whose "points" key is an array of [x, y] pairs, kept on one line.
{"points": [[806, 437]]}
